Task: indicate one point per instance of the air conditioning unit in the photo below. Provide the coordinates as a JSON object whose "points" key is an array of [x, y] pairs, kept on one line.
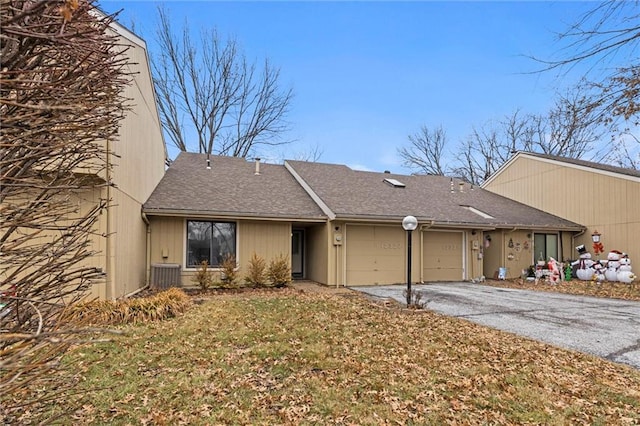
{"points": [[165, 275]]}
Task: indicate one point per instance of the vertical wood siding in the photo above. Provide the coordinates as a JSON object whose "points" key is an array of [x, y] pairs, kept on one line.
{"points": [[600, 201]]}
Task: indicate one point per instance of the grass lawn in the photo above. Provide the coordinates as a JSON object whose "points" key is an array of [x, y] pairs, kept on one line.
{"points": [[285, 357]]}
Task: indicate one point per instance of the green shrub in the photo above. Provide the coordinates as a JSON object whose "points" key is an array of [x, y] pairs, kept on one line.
{"points": [[229, 273], [256, 271], [279, 271], [203, 277]]}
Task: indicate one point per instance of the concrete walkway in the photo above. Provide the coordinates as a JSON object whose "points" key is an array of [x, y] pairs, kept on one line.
{"points": [[607, 328]]}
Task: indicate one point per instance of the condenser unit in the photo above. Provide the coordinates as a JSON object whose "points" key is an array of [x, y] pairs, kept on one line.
{"points": [[165, 275]]}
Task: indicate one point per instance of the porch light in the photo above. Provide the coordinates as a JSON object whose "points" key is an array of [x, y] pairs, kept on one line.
{"points": [[409, 224], [595, 236]]}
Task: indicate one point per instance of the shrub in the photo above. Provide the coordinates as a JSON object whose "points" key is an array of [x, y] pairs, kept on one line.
{"points": [[203, 277], [166, 304], [279, 271], [229, 274], [256, 271]]}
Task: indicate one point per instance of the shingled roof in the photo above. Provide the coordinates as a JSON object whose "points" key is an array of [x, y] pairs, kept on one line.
{"points": [[230, 188], [316, 192], [352, 194]]}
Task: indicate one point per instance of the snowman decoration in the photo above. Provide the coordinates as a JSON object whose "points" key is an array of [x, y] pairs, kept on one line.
{"points": [[624, 271], [585, 264], [598, 271], [613, 263]]}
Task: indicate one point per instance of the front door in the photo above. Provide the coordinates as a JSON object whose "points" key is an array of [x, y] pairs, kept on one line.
{"points": [[297, 253]]}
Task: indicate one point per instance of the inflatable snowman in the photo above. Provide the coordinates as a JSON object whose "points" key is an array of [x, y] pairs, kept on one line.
{"points": [[585, 264], [613, 263], [598, 271], [624, 271]]}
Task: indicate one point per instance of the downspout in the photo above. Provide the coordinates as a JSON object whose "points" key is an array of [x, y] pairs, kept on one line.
{"points": [[573, 237], [422, 229], [148, 250]]}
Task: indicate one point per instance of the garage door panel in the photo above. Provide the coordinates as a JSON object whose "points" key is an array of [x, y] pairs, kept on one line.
{"points": [[443, 256], [375, 255]]}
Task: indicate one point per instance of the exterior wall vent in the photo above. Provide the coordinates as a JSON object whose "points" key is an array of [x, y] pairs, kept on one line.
{"points": [[165, 275]]}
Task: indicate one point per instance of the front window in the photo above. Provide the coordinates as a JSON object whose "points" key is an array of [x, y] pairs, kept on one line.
{"points": [[210, 241], [545, 246]]}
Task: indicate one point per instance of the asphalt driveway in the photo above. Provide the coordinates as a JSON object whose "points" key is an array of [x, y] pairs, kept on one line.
{"points": [[607, 328]]}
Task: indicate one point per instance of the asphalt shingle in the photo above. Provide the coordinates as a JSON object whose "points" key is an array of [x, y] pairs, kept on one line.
{"points": [[230, 188], [364, 195]]}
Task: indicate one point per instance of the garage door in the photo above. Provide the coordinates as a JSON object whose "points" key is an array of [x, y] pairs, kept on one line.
{"points": [[375, 255], [442, 256]]}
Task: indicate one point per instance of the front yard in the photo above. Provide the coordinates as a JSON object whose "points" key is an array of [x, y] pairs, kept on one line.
{"points": [[286, 357]]}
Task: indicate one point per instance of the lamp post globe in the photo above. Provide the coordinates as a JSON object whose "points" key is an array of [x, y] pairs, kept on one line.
{"points": [[409, 223]]}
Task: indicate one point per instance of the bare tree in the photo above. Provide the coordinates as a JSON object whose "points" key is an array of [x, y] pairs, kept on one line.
{"points": [[607, 33], [606, 39], [61, 98], [569, 129], [425, 152], [209, 91]]}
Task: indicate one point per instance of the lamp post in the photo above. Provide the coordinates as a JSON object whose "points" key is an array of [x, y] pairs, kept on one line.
{"points": [[597, 245], [409, 223]]}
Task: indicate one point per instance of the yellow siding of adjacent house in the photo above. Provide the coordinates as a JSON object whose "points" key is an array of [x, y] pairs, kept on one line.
{"points": [[138, 166], [601, 201]]}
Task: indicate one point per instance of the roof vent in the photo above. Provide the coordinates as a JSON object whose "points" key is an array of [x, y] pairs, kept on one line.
{"points": [[208, 163], [394, 182], [257, 166]]}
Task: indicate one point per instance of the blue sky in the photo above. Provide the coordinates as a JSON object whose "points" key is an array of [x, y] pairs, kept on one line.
{"points": [[367, 74]]}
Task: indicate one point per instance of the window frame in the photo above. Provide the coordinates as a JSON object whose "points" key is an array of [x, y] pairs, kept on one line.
{"points": [[213, 222]]}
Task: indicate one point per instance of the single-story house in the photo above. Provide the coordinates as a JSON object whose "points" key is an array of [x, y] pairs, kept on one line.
{"points": [[604, 198], [340, 226]]}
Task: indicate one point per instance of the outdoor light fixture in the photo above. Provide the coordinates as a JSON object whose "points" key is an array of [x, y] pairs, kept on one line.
{"points": [[595, 236], [409, 224]]}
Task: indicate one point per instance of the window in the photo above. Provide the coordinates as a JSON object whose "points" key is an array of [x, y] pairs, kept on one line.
{"points": [[545, 246], [210, 241]]}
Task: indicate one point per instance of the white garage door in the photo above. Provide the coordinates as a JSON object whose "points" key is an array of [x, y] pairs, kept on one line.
{"points": [[375, 255], [443, 259]]}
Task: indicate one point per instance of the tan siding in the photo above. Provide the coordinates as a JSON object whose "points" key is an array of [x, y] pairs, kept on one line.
{"points": [[494, 254], [267, 239], [128, 245], [167, 235], [600, 201], [317, 253], [140, 153], [473, 264]]}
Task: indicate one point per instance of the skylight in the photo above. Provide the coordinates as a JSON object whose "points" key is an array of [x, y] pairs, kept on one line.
{"points": [[479, 212], [394, 182]]}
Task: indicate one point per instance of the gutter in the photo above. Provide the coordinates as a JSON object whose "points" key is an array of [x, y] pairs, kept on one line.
{"points": [[231, 215]]}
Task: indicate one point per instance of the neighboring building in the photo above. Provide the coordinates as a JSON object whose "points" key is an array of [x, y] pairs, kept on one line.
{"points": [[601, 197], [337, 225], [138, 157]]}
